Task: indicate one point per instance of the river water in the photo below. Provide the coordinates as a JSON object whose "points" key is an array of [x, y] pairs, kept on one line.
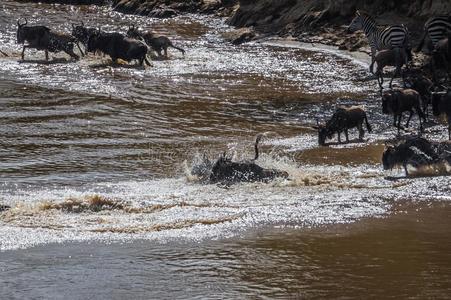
{"points": [[95, 161]]}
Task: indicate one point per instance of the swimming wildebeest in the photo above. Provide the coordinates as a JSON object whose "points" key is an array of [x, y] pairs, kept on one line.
{"points": [[226, 171], [117, 46], [395, 102], [416, 152], [441, 105], [390, 57], [423, 86], [342, 120], [42, 38], [157, 43], [82, 34]]}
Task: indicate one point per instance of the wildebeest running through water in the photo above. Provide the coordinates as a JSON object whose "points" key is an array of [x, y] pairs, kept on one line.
{"points": [[42, 38]]}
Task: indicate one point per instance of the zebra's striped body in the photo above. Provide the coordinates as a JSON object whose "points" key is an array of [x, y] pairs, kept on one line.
{"points": [[395, 36], [436, 28]]}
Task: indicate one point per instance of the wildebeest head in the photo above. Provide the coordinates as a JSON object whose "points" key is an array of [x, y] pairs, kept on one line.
{"points": [[389, 158], [20, 31], [133, 32], [80, 32], [323, 133], [388, 102]]}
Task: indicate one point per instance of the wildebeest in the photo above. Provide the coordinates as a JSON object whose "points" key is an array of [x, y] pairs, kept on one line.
{"points": [[226, 171], [390, 57], [42, 38], [442, 54], [396, 102], [117, 46], [423, 86], [157, 43], [416, 152], [342, 120], [82, 34], [441, 105]]}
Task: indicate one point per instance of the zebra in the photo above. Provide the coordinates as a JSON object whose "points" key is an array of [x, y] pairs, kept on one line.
{"points": [[436, 28], [395, 36]]}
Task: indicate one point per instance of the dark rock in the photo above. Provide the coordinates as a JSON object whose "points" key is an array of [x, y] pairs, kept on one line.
{"points": [[240, 36]]}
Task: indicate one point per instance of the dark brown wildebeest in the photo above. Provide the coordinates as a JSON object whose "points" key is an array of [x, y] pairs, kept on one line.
{"points": [[342, 120], [423, 86], [395, 102], [442, 52], [117, 46], [416, 152], [441, 105], [157, 43], [226, 171], [82, 34], [390, 57], [42, 38]]}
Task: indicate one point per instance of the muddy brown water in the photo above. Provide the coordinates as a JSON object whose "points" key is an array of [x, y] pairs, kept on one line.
{"points": [[95, 161]]}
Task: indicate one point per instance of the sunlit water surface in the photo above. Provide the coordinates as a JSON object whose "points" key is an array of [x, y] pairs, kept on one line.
{"points": [[90, 152]]}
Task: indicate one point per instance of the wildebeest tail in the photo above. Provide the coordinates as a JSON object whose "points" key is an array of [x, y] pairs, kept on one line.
{"points": [[368, 126], [178, 48]]}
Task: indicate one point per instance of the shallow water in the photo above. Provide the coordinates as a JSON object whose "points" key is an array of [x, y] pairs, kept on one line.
{"points": [[94, 153]]}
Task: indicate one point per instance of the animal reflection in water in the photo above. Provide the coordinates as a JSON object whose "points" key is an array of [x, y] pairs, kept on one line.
{"points": [[225, 171], [417, 152]]}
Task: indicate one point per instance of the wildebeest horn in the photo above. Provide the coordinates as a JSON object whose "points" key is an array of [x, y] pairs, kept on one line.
{"points": [[20, 25]]}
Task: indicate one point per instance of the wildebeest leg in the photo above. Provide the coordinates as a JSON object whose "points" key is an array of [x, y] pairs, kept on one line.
{"points": [[405, 168], [23, 51], [166, 52], [339, 137], [79, 48], [361, 131], [346, 135], [380, 79], [410, 117], [46, 55], [147, 61], [399, 123], [373, 53]]}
